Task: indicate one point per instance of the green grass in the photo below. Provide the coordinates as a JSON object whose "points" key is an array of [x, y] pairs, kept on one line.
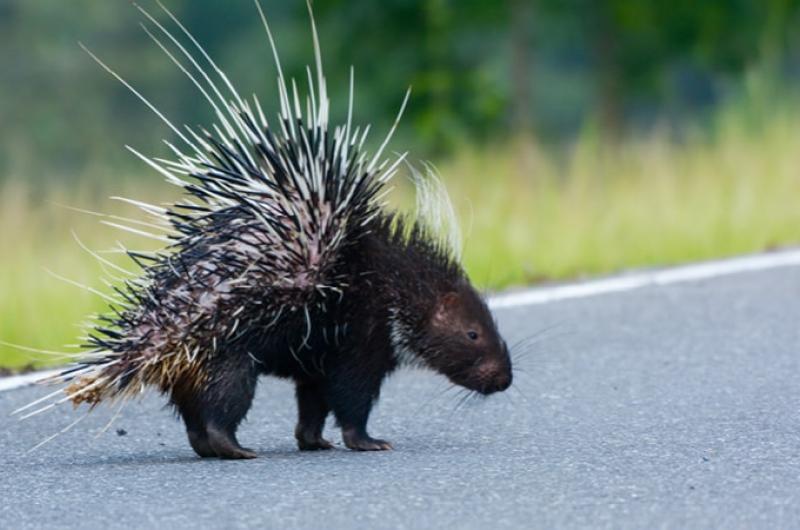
{"points": [[527, 215], [647, 202], [38, 310]]}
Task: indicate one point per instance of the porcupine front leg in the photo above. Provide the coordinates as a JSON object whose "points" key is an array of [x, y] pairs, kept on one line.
{"points": [[312, 409], [213, 412], [351, 394]]}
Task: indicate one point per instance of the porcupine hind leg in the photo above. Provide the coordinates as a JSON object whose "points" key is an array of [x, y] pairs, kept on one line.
{"points": [[195, 425], [312, 409], [213, 412]]}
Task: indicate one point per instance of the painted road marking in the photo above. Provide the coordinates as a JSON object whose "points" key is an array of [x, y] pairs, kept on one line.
{"points": [[628, 282], [616, 284]]}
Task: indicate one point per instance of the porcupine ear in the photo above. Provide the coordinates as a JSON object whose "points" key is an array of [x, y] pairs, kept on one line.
{"points": [[443, 316]]}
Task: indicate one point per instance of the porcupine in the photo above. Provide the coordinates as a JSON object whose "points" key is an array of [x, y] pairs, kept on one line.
{"points": [[283, 259]]}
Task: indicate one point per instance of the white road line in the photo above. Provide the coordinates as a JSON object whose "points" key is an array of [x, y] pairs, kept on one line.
{"points": [[544, 295], [16, 381], [628, 282]]}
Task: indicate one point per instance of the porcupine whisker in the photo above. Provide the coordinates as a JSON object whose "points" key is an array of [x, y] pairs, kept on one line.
{"points": [[462, 392], [523, 345], [520, 392], [435, 396], [523, 352], [535, 337], [547, 329], [510, 399], [468, 394]]}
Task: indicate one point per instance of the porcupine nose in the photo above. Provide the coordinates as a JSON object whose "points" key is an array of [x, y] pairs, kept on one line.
{"points": [[497, 376], [502, 381]]}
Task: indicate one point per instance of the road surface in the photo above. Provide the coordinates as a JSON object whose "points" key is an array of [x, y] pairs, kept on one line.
{"points": [[667, 406]]}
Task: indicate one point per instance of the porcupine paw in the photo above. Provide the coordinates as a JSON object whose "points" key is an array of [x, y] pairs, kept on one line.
{"points": [[225, 446], [312, 442], [199, 442], [361, 441]]}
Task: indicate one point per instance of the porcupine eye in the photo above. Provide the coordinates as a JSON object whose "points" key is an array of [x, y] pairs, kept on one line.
{"points": [[472, 335]]}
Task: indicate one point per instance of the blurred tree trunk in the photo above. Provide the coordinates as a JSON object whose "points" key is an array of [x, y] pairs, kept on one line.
{"points": [[521, 12], [605, 49], [773, 36], [522, 66], [438, 122]]}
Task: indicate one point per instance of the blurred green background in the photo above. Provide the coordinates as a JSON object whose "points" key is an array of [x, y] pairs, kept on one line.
{"points": [[577, 137]]}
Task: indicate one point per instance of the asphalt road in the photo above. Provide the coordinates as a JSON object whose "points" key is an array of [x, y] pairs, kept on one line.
{"points": [[672, 406]]}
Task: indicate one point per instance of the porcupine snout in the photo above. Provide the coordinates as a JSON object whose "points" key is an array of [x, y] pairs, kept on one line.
{"points": [[494, 374]]}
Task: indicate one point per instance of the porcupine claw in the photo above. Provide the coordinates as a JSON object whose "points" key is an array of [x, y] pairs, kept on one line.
{"points": [[361, 441], [318, 444], [226, 446]]}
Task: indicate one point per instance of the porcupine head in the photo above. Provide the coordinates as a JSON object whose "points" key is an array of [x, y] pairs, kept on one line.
{"points": [[282, 259]]}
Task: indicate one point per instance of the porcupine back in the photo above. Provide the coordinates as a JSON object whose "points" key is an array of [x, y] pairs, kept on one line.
{"points": [[268, 209]]}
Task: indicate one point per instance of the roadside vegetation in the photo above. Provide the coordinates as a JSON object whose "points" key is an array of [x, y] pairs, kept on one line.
{"points": [[528, 214], [577, 139]]}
